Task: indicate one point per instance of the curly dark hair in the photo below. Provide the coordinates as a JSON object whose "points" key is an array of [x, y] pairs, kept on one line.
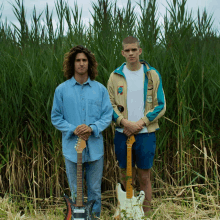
{"points": [[69, 61]]}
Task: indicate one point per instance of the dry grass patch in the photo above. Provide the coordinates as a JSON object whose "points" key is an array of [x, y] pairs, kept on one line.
{"points": [[25, 210], [187, 203]]}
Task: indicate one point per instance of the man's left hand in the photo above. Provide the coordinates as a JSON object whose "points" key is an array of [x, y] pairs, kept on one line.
{"points": [[140, 122], [83, 131], [128, 133]]}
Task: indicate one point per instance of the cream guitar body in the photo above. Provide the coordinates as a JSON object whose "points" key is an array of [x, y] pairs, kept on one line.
{"points": [[130, 208]]}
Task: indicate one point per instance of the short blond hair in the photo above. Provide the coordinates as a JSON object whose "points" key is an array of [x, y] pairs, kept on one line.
{"points": [[130, 40]]}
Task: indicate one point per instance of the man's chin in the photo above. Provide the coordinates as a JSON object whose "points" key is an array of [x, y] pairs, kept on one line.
{"points": [[82, 73], [132, 61]]}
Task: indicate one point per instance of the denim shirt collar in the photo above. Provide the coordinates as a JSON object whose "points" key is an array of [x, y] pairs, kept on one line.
{"points": [[74, 82]]}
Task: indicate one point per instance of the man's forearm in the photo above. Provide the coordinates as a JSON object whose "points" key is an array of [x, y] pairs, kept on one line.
{"points": [[123, 122], [142, 121]]}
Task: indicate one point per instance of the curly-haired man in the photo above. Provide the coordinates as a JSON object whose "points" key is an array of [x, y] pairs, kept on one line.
{"points": [[138, 100], [82, 108]]}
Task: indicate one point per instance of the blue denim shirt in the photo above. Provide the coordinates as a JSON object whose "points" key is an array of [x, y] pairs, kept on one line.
{"points": [[75, 104]]}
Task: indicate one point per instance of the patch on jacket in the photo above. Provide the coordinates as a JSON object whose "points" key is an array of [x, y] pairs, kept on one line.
{"points": [[120, 108], [150, 85], [120, 90], [149, 98]]}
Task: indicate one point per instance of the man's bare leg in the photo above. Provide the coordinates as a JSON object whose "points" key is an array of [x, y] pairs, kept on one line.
{"points": [[124, 176], [145, 185]]}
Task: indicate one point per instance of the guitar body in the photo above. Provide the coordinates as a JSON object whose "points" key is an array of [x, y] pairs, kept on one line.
{"points": [[80, 213], [129, 207], [79, 210]]}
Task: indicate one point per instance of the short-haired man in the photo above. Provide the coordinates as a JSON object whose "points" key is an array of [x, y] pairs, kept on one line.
{"points": [[138, 101], [82, 108]]}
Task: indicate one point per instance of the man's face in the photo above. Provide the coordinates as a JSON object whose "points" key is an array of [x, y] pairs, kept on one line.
{"points": [[81, 64], [131, 52]]}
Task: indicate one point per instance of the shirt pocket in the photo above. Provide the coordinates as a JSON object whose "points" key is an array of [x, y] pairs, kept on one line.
{"points": [[94, 109]]}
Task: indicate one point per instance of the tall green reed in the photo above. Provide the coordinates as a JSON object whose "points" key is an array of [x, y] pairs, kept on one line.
{"points": [[184, 51]]}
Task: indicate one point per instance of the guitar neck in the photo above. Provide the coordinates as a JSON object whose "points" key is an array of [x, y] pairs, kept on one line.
{"points": [[79, 199], [129, 188]]}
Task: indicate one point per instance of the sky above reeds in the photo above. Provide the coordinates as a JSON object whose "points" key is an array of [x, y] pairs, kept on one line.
{"points": [[212, 7]]}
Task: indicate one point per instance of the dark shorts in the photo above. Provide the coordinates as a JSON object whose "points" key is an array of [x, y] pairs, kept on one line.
{"points": [[143, 149]]}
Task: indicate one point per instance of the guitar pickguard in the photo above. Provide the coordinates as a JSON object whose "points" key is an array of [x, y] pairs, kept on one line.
{"points": [[129, 208], [79, 213]]}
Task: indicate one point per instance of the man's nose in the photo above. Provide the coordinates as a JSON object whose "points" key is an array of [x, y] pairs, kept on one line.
{"points": [[81, 62]]}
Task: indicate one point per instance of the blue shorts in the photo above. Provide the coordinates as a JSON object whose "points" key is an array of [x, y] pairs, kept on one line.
{"points": [[143, 150]]}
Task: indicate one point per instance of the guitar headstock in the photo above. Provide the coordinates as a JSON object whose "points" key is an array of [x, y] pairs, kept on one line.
{"points": [[80, 145], [131, 140]]}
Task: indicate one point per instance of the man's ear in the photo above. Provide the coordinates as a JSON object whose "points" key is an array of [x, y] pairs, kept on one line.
{"points": [[122, 53], [140, 51]]}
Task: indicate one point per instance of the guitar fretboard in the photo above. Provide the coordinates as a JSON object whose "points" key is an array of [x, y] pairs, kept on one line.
{"points": [[79, 199], [129, 188]]}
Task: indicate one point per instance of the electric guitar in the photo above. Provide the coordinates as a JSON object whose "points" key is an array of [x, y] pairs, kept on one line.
{"points": [[79, 210], [129, 206]]}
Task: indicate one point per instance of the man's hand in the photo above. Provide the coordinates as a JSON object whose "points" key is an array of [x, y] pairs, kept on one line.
{"points": [[131, 127], [83, 131], [127, 132], [141, 123]]}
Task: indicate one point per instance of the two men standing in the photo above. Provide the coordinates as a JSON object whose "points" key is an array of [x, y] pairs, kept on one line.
{"points": [[82, 108]]}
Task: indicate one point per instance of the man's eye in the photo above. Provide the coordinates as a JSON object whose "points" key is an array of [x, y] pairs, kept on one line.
{"points": [[133, 50]]}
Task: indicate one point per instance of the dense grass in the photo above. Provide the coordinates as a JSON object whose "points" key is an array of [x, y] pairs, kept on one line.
{"points": [[175, 203], [184, 49]]}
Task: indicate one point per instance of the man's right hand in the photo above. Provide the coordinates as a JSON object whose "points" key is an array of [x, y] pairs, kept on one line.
{"points": [[130, 127]]}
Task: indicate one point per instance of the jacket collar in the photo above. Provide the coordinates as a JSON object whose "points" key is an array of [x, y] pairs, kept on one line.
{"points": [[119, 70]]}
